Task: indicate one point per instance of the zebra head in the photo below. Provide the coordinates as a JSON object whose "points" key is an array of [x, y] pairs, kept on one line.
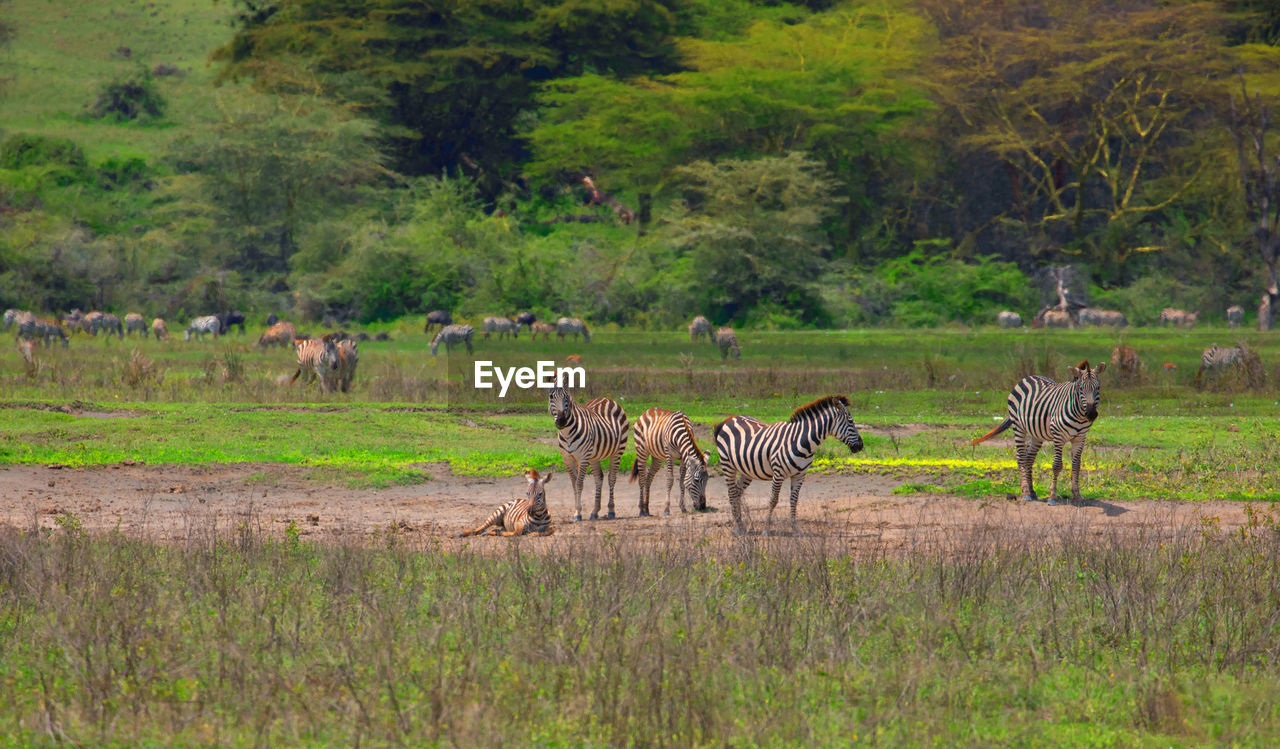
{"points": [[843, 428], [1089, 390], [695, 481], [537, 487], [560, 406]]}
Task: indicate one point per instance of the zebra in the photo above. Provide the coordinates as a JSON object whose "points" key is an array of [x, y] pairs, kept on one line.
{"points": [[439, 317], [502, 326], [1007, 319], [574, 326], [348, 357], [589, 436], [1180, 318], [1235, 316], [111, 324], [133, 323], [541, 328], [1216, 358], [525, 515], [452, 335], [280, 334], [317, 359], [203, 325], [11, 317], [749, 449], [91, 323], [661, 435], [727, 340], [159, 329], [1092, 316], [1041, 410], [31, 328], [700, 327]]}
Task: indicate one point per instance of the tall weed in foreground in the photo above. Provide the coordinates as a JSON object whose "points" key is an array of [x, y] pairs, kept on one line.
{"points": [[234, 637]]}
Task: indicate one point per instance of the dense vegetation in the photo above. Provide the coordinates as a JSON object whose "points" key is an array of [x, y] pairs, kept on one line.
{"points": [[637, 161]]}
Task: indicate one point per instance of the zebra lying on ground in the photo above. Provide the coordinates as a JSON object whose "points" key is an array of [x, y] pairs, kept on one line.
{"points": [[1092, 316], [503, 326], [1007, 319], [202, 326], [700, 327], [133, 323], [452, 335], [317, 359], [663, 435], [541, 329], [727, 340], [1041, 410], [159, 329], [1181, 318], [437, 317], [525, 515], [589, 436], [280, 334], [1235, 316], [572, 325]]}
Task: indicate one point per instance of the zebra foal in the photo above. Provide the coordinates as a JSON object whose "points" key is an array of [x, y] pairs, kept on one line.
{"points": [[589, 436], [663, 435], [749, 449], [1042, 410], [523, 515]]}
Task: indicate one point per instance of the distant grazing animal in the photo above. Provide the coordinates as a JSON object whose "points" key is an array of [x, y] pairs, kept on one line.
{"points": [[503, 326], [72, 319], [348, 357], [525, 515], [699, 328], [317, 359], [1180, 318], [589, 436], [1041, 410], [662, 435], [1007, 319], [452, 335], [134, 323], [437, 317], [96, 321], [231, 319], [1216, 358], [91, 323], [1126, 363], [526, 318], [272, 319], [280, 334], [11, 317], [752, 450], [159, 329], [727, 340], [112, 324], [202, 326], [1108, 317], [541, 329], [32, 328], [572, 325], [1056, 318], [1235, 316]]}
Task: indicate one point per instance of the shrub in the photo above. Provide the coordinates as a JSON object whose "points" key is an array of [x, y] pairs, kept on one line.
{"points": [[60, 158], [131, 98]]}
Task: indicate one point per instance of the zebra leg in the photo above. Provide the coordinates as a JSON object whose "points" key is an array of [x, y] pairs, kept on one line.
{"points": [[1058, 445], [671, 472], [773, 501], [681, 487], [598, 472], [1077, 450], [647, 473], [577, 476], [740, 513], [1028, 448], [614, 464], [796, 482]]}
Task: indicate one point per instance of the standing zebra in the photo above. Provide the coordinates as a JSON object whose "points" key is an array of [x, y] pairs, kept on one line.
{"points": [[133, 323], [317, 358], [1041, 410], [348, 357], [541, 329], [749, 449], [11, 317], [523, 515], [1235, 316], [588, 436], [439, 317], [159, 329], [700, 327], [572, 325], [663, 435], [727, 340], [31, 327], [502, 326], [452, 335], [1216, 358], [202, 326]]}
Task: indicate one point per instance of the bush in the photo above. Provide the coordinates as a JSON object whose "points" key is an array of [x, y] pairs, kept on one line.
{"points": [[131, 98], [60, 158]]}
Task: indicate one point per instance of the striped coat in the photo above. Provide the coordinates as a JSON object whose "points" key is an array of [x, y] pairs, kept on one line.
{"points": [[700, 327], [525, 515], [159, 329], [572, 326], [317, 359], [1216, 358], [11, 317], [503, 326], [280, 334], [348, 357], [452, 335], [1041, 410], [727, 340], [133, 323], [33, 328], [202, 326], [751, 450], [667, 436], [541, 329], [589, 436]]}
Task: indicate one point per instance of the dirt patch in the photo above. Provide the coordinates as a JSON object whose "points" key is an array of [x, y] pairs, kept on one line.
{"points": [[75, 408], [170, 503]]}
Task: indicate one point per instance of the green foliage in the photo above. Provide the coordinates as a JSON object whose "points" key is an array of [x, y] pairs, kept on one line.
{"points": [[134, 97], [56, 160]]}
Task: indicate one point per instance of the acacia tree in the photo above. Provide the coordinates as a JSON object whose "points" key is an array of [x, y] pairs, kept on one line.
{"points": [[1252, 128]]}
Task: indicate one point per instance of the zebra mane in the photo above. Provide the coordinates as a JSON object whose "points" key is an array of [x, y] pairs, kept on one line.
{"points": [[689, 425], [818, 405]]}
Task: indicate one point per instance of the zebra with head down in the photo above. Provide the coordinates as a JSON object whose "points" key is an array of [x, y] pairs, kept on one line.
{"points": [[452, 335], [572, 326], [202, 326]]}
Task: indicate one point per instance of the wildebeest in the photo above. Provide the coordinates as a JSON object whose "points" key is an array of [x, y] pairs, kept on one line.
{"points": [[439, 317], [572, 325], [280, 334], [133, 323], [700, 327], [1235, 316], [526, 318], [1007, 319], [272, 319], [1110, 317], [1180, 318], [160, 329], [232, 318], [503, 326]]}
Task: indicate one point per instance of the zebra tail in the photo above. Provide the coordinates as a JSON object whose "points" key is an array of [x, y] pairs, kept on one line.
{"points": [[635, 471], [295, 376], [1003, 426]]}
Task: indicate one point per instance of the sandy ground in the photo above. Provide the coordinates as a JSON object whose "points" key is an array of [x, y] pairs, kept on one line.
{"points": [[170, 503]]}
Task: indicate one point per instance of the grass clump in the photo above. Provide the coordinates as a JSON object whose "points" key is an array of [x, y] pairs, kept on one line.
{"points": [[132, 97]]}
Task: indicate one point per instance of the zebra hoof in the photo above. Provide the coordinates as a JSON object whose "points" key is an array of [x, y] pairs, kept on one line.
{"points": [[595, 516], [1028, 498], [1054, 502], [643, 515], [577, 518], [611, 516]]}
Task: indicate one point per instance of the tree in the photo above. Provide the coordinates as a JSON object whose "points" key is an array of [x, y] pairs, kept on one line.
{"points": [[1253, 130]]}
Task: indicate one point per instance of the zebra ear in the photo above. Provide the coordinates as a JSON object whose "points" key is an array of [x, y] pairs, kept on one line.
{"points": [[1101, 366], [546, 477]]}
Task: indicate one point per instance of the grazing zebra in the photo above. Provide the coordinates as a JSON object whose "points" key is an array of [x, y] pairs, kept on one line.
{"points": [[574, 326], [1041, 410], [280, 334], [749, 449], [348, 357], [203, 325], [317, 359], [541, 328], [1007, 319], [439, 317], [663, 435], [91, 323], [452, 335], [700, 327], [525, 515], [1235, 316], [727, 340], [1112, 318], [1180, 318], [159, 329], [1216, 358], [111, 324], [32, 328], [133, 323], [589, 436], [11, 317], [502, 326], [526, 319]]}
